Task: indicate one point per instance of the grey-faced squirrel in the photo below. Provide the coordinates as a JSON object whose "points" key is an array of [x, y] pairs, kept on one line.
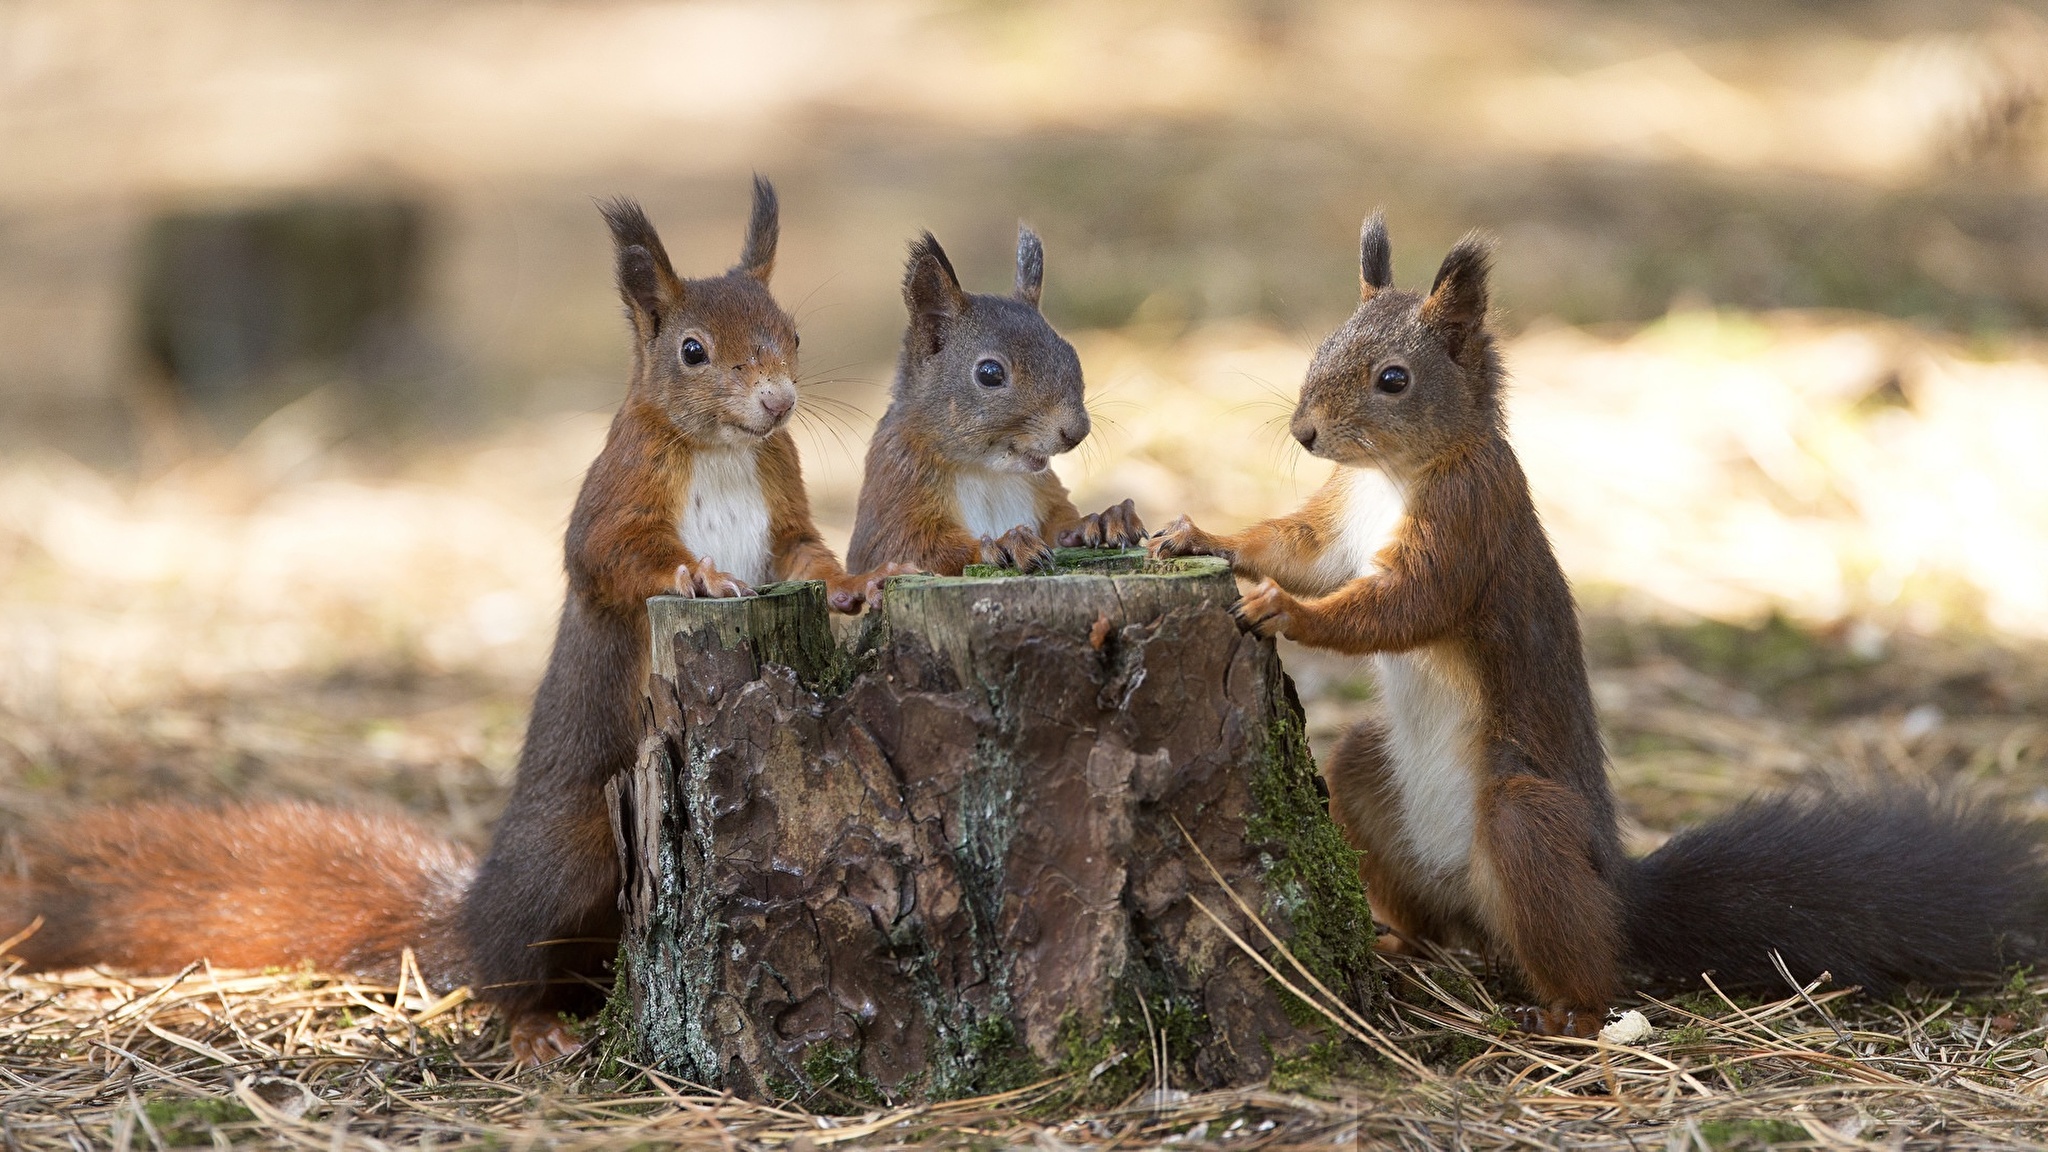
{"points": [[986, 394]]}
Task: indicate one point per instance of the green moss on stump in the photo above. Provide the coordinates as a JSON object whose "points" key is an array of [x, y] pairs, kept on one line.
{"points": [[1107, 1064], [1086, 561], [933, 636], [833, 1071], [1313, 884]]}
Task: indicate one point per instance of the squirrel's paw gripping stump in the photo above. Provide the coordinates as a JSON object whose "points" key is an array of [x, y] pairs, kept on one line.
{"points": [[947, 857]]}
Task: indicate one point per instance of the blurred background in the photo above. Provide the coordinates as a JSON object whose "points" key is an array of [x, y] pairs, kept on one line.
{"points": [[307, 333]]}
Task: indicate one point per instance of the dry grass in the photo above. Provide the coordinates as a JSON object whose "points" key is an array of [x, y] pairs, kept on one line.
{"points": [[293, 1060], [289, 620]]}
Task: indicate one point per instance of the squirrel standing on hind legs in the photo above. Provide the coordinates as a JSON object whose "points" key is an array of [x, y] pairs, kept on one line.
{"points": [[1481, 805], [986, 394], [697, 492]]}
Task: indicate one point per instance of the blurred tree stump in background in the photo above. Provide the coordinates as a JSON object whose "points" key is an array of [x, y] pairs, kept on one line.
{"points": [[943, 858]]}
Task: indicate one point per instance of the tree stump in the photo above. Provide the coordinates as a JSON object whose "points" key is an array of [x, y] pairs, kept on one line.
{"points": [[946, 855]]}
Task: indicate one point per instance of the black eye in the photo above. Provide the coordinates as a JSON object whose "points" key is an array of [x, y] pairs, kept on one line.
{"points": [[990, 374], [693, 352], [1393, 379]]}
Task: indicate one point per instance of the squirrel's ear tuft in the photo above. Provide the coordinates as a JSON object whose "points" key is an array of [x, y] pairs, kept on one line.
{"points": [[1375, 256], [764, 227], [1456, 306], [931, 289], [1030, 265], [647, 282]]}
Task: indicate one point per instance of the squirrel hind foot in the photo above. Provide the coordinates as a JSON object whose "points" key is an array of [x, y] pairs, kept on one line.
{"points": [[539, 1037], [1584, 1023]]}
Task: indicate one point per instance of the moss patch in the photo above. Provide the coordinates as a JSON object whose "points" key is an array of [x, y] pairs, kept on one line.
{"points": [[1087, 561], [1751, 1133], [992, 1058], [1312, 880], [1323, 1069], [614, 1038], [1117, 1057], [182, 1120], [833, 1071]]}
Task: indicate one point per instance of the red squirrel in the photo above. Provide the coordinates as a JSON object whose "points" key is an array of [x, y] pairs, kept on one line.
{"points": [[697, 492], [986, 394], [1481, 804]]}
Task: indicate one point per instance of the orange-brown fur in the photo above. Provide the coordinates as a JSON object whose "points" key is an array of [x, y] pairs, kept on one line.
{"points": [[915, 518], [942, 424], [1466, 590], [1481, 804], [551, 872], [155, 887], [158, 887]]}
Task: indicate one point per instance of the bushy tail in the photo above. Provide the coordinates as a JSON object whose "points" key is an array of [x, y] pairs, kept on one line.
{"points": [[155, 887], [1879, 888]]}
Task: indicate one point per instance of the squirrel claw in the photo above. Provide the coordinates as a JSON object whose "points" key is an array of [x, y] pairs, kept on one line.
{"points": [[1267, 609], [849, 592], [878, 576], [1180, 538], [704, 579], [1122, 527], [1581, 1022], [845, 594], [1020, 548], [1115, 527], [539, 1037]]}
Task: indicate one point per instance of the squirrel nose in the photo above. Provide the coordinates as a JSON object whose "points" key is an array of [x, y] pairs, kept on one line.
{"points": [[1307, 436], [778, 404], [1070, 436]]}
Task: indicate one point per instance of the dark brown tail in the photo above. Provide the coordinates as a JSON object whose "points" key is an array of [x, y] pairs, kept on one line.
{"points": [[1881, 888], [155, 887]]}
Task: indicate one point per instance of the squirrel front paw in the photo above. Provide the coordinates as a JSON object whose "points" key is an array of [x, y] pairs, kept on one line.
{"points": [[1267, 609], [538, 1037], [1116, 527], [1021, 548], [704, 579], [849, 591], [1182, 538]]}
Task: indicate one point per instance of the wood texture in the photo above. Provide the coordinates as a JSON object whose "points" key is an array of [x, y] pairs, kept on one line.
{"points": [[946, 857]]}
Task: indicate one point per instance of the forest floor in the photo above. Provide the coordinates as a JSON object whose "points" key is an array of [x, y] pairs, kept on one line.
{"points": [[1806, 548]]}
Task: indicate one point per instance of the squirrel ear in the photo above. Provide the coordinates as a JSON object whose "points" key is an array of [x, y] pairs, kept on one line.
{"points": [[646, 280], [1375, 256], [931, 289], [757, 258], [1456, 305], [1030, 265]]}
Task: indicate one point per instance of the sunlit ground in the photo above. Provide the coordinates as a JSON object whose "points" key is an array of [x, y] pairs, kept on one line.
{"points": [[1802, 544]]}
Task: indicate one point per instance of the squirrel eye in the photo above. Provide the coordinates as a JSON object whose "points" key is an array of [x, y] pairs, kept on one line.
{"points": [[1392, 379], [990, 374], [693, 352]]}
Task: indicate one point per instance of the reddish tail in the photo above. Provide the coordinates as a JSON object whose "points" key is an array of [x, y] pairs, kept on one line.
{"points": [[156, 887]]}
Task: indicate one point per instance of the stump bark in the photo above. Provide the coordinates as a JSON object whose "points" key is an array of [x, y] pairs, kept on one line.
{"points": [[945, 854]]}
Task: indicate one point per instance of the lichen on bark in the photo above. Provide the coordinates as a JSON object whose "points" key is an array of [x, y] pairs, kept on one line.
{"points": [[948, 857]]}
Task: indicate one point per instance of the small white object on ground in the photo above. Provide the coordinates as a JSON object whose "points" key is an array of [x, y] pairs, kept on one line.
{"points": [[1632, 1027]]}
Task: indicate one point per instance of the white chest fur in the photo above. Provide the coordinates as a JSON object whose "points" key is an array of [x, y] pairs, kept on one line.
{"points": [[1431, 698], [992, 503], [725, 515], [1367, 520], [1433, 751]]}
